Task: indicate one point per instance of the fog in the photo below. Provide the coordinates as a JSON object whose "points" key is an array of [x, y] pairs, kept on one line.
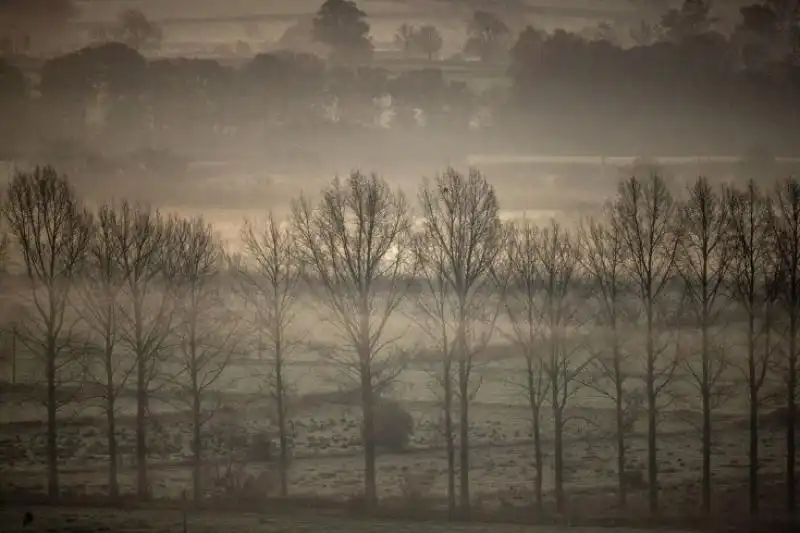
{"points": [[527, 260]]}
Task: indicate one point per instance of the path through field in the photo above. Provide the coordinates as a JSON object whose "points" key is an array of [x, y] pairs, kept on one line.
{"points": [[140, 521]]}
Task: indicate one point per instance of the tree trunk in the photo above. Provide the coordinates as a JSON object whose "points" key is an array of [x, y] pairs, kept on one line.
{"points": [[622, 488], [652, 459], [464, 434], [558, 455], [197, 448], [753, 386], [368, 406], [449, 441], [791, 414], [111, 427], [142, 488], [281, 407], [538, 459], [52, 443], [705, 393]]}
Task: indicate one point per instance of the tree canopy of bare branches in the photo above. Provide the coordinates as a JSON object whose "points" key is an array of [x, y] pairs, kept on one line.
{"points": [[355, 243]]}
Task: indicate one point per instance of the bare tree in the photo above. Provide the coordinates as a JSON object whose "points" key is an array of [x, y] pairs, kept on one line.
{"points": [[99, 291], [703, 260], [435, 307], [271, 283], [356, 244], [207, 337], [755, 289], [460, 218], [146, 244], [604, 260], [786, 226], [523, 309], [564, 363], [51, 231], [647, 221]]}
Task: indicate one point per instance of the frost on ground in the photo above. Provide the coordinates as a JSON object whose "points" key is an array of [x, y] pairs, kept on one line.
{"points": [[57, 520]]}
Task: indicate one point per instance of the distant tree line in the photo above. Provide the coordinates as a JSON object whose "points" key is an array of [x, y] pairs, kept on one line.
{"points": [[666, 287], [682, 81]]}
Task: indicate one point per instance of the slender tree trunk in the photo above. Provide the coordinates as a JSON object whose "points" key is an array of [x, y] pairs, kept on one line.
{"points": [[14, 355], [791, 415], [652, 458], [281, 407], [449, 441], [533, 400], [141, 430], [52, 444], [142, 488], [368, 408], [464, 434], [753, 389], [368, 404], [705, 394], [111, 426], [558, 454], [197, 445], [622, 488]]}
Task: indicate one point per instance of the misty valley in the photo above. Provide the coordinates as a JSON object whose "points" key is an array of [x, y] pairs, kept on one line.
{"points": [[335, 265]]}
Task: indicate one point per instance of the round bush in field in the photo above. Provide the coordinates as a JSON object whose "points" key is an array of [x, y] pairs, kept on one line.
{"points": [[394, 426]]}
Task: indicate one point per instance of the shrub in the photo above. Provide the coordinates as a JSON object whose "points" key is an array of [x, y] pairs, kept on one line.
{"points": [[394, 426]]}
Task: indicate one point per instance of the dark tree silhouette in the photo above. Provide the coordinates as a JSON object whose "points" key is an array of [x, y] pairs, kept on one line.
{"points": [[428, 40], [525, 285], [51, 231], [646, 212], [342, 26], [703, 261], [605, 260], [755, 288], [461, 220], [786, 224], [271, 282], [355, 243]]}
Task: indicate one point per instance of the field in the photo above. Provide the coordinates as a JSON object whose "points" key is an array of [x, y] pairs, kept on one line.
{"points": [[161, 521]]}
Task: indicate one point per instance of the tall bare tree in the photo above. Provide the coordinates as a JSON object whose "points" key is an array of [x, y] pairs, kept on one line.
{"points": [[755, 276], [604, 260], [435, 307], [523, 309], [146, 245], [564, 363], [99, 290], [646, 212], [271, 281], [51, 231], [461, 218], [786, 226], [703, 261], [356, 244], [207, 337]]}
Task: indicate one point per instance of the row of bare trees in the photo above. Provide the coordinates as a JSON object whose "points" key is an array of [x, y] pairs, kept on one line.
{"points": [[598, 306]]}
